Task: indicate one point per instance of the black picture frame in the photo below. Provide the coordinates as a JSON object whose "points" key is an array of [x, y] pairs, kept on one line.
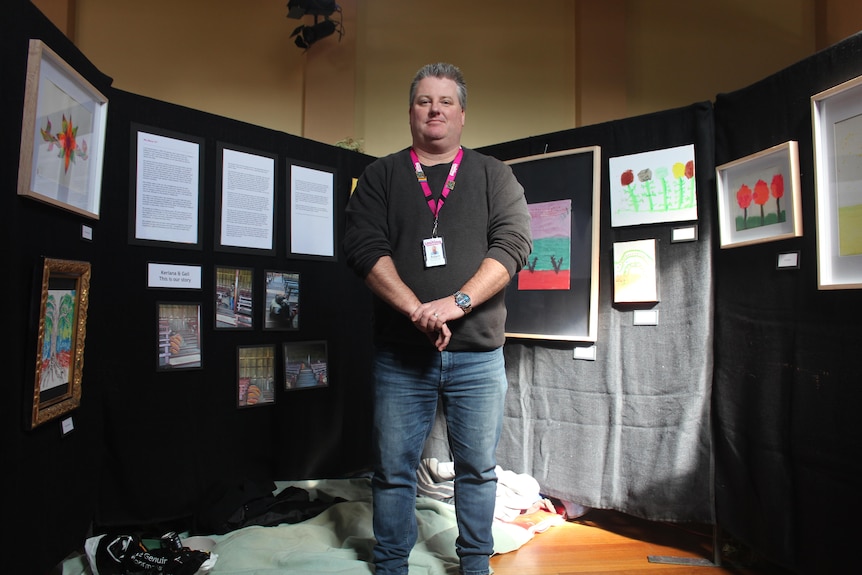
{"points": [[306, 365], [136, 196], [325, 239], [565, 314], [255, 375], [281, 301], [234, 299], [179, 336], [250, 207]]}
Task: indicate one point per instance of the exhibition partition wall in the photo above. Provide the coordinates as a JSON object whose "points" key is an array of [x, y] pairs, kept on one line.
{"points": [[625, 424], [54, 477], [778, 254], [224, 336], [787, 379]]}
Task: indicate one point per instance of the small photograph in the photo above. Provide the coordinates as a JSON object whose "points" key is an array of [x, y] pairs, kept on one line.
{"points": [[234, 302], [305, 365], [179, 344], [255, 375], [282, 301]]}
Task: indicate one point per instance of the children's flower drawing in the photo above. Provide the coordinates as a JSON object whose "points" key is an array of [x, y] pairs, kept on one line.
{"points": [[760, 195], [654, 187]]}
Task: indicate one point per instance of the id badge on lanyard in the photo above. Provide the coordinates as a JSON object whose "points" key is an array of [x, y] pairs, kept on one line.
{"points": [[434, 251], [433, 248]]}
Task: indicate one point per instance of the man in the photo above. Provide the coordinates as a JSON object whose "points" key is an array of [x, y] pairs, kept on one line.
{"points": [[437, 232]]}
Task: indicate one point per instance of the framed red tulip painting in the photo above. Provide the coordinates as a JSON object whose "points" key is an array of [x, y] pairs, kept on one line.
{"points": [[759, 198], [837, 117], [62, 135]]}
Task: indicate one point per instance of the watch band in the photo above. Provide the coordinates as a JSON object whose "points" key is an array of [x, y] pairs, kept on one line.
{"points": [[462, 300]]}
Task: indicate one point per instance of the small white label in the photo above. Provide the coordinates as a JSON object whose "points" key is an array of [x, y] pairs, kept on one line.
{"points": [[645, 317], [86, 232], [588, 353], [788, 260], [67, 425], [686, 234]]}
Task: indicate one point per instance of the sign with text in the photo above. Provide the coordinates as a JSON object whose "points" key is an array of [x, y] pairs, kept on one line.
{"points": [[173, 276]]}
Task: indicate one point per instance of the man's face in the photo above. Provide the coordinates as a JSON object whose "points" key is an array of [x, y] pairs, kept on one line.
{"points": [[436, 116]]}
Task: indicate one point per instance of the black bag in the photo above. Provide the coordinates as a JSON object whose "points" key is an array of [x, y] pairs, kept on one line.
{"points": [[127, 555]]}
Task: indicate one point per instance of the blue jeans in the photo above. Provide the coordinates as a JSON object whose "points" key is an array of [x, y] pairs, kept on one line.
{"points": [[407, 384]]}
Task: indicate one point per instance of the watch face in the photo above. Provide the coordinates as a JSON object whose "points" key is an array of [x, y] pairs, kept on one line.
{"points": [[462, 300]]}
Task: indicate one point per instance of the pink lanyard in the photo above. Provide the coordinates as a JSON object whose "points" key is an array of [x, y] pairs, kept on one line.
{"points": [[447, 187]]}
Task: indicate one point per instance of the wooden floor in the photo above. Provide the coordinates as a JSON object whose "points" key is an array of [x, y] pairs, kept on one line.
{"points": [[610, 542]]}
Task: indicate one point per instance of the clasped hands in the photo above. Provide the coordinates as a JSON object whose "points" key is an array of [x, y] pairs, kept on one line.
{"points": [[431, 317]]}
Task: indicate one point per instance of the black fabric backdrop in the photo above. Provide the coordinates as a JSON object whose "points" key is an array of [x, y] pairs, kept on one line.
{"points": [[170, 434], [146, 445], [51, 491], [788, 385]]}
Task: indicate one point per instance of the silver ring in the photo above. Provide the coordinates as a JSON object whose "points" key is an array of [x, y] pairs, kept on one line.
{"points": [[435, 315]]}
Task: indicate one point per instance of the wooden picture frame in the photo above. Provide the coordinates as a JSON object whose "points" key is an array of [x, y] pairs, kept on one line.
{"points": [[62, 135], [767, 183], [551, 298], [62, 330], [255, 375], [306, 365], [836, 115]]}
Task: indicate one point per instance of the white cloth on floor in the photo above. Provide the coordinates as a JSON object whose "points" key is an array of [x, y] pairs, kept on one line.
{"points": [[516, 492]]}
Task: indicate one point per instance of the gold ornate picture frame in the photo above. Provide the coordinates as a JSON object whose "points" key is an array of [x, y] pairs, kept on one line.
{"points": [[65, 293]]}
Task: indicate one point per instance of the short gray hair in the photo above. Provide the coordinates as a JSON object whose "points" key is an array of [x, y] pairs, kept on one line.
{"points": [[441, 70]]}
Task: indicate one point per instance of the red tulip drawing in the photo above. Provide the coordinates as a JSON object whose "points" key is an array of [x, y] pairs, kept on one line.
{"points": [[761, 196], [777, 187], [627, 179], [743, 198]]}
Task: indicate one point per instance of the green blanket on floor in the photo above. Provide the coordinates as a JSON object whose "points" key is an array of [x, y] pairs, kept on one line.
{"points": [[339, 540]]}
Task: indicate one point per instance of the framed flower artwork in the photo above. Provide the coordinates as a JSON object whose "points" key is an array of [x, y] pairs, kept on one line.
{"points": [[62, 135], [759, 198]]}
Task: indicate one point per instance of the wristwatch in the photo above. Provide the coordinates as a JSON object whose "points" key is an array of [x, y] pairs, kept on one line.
{"points": [[463, 301]]}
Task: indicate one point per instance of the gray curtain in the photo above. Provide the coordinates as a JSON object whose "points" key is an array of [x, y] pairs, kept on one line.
{"points": [[631, 430]]}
